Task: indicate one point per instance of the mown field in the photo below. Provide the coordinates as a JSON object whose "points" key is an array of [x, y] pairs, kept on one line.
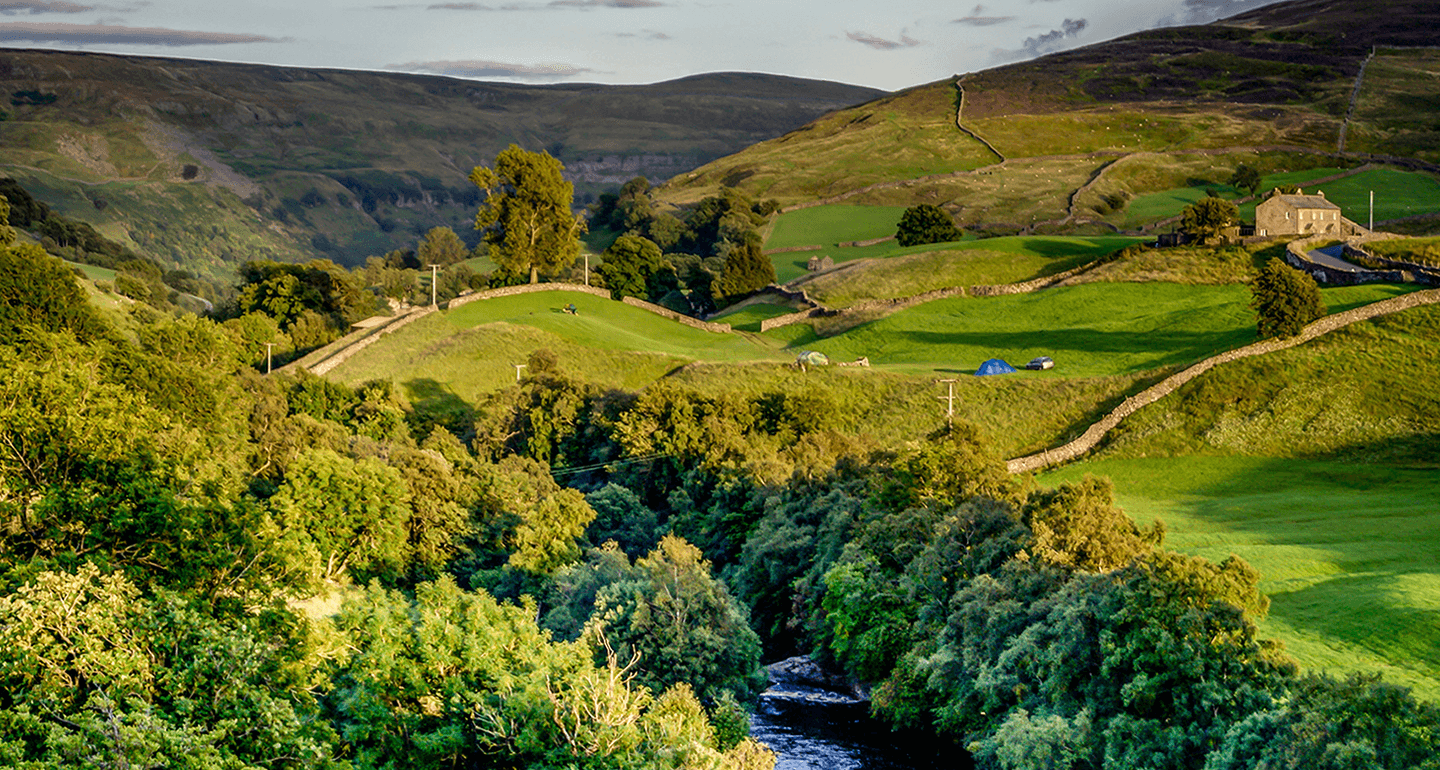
{"points": [[1091, 330], [917, 269], [1346, 551]]}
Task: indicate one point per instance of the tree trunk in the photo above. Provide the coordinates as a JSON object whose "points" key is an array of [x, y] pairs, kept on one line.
{"points": [[534, 275]]}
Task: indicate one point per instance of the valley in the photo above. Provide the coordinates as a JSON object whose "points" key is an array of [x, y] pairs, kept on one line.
{"points": [[287, 448]]}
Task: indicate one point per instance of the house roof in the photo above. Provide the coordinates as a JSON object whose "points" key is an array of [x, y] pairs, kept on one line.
{"points": [[1304, 201]]}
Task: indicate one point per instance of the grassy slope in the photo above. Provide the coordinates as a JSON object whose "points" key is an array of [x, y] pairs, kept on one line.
{"points": [[472, 349], [905, 272], [1318, 466], [1346, 552]]}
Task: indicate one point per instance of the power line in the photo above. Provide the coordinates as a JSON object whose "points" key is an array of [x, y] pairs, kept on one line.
{"points": [[573, 469]]}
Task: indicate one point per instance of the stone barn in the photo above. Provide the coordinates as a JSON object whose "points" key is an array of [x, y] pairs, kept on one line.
{"points": [[1300, 214]]}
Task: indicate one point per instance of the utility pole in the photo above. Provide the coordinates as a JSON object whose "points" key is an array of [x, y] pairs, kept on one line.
{"points": [[268, 346], [1372, 210], [433, 283], [587, 269], [949, 400], [518, 367]]}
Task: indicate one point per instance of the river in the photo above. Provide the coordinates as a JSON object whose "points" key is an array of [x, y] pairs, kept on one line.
{"points": [[815, 728]]}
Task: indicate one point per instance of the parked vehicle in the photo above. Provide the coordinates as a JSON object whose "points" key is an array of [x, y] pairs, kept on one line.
{"points": [[1040, 362]]}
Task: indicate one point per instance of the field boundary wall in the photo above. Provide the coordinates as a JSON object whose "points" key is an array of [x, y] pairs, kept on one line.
{"points": [[887, 306], [1093, 435]]}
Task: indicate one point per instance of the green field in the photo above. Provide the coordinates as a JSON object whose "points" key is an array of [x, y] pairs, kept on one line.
{"points": [[472, 350], [917, 269], [829, 225], [748, 318], [1091, 330], [1346, 552], [1397, 194]]}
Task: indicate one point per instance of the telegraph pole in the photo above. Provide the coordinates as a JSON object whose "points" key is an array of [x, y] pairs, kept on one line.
{"points": [[268, 346], [587, 269], [433, 282], [518, 367], [1372, 210], [949, 400]]}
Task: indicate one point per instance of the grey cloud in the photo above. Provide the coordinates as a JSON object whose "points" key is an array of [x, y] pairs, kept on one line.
{"points": [[9, 7], [605, 4], [1052, 40], [983, 21], [880, 43], [645, 33], [492, 69], [454, 7], [106, 33]]}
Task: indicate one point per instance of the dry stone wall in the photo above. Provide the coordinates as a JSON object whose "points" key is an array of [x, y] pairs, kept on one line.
{"points": [[344, 355], [1092, 436]]}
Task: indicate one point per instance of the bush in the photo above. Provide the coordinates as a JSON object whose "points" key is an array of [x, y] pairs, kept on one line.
{"points": [[1285, 300], [926, 224]]}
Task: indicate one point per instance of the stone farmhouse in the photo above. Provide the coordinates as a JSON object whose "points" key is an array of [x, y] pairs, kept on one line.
{"points": [[1300, 214]]}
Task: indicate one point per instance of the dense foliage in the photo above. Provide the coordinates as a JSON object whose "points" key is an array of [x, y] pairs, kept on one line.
{"points": [[1208, 217], [926, 223], [711, 255], [1285, 300], [201, 566]]}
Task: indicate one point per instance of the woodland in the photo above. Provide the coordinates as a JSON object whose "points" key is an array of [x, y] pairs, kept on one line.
{"points": [[207, 566]]}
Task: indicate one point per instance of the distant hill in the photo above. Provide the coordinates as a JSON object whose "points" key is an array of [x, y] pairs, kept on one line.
{"points": [[201, 164], [1066, 142]]}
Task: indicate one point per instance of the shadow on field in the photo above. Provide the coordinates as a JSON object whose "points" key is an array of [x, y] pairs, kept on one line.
{"points": [[1156, 349], [1351, 548], [435, 403]]}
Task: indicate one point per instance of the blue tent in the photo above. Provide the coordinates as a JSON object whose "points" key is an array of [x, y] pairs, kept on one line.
{"points": [[994, 366]]}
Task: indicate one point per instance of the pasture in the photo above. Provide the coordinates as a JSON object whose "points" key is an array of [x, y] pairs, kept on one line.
{"points": [[1346, 552], [917, 269], [473, 350]]}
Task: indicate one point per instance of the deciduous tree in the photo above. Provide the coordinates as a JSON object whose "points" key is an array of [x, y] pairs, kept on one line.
{"points": [[1208, 217], [526, 215], [1285, 300], [926, 223]]}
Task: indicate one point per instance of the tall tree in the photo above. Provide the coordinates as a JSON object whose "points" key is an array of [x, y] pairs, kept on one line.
{"points": [[441, 246], [630, 263], [526, 214]]}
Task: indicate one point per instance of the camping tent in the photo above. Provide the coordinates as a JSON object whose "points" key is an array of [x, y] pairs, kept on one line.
{"points": [[811, 358], [994, 366]]}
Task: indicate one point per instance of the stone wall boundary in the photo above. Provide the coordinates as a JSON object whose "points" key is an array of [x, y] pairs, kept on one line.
{"points": [[666, 312], [526, 288], [1093, 435], [897, 304], [341, 356]]}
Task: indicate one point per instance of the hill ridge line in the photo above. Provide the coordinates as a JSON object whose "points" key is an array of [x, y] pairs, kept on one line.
{"points": [[1414, 163], [1097, 431]]}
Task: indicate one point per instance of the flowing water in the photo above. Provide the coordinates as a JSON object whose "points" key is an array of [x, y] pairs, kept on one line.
{"points": [[813, 729]]}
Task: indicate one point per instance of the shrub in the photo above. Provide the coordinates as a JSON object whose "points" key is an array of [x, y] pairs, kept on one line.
{"points": [[1285, 300]]}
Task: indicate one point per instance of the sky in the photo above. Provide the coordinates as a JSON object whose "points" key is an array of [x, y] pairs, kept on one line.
{"points": [[886, 44]]}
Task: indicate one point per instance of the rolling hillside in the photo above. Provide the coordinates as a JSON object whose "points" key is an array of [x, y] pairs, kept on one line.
{"points": [[1074, 142], [203, 164]]}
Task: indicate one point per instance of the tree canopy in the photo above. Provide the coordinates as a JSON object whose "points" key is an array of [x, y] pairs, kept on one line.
{"points": [[1285, 300], [926, 223], [526, 214], [1208, 217]]}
